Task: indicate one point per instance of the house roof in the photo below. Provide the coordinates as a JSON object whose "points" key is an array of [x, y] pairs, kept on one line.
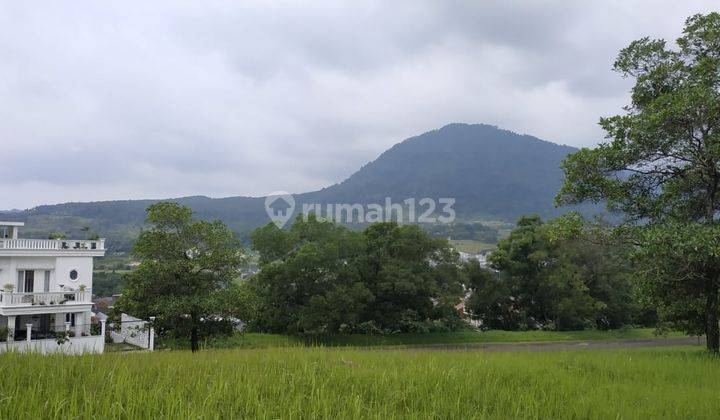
{"points": [[15, 224]]}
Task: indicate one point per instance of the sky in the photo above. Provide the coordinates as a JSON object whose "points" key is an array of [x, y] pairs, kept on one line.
{"points": [[160, 99]]}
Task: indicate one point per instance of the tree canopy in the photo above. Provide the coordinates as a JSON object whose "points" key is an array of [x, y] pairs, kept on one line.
{"points": [[659, 168], [319, 277], [545, 282], [185, 275]]}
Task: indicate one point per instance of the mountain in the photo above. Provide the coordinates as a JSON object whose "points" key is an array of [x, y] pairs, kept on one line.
{"points": [[492, 173]]}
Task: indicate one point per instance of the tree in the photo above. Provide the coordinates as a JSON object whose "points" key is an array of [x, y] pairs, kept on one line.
{"points": [[546, 290], [309, 280], [659, 166], [415, 279], [673, 261], [318, 277], [490, 299], [185, 275], [551, 282]]}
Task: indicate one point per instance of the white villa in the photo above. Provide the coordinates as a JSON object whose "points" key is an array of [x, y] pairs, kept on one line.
{"points": [[47, 289]]}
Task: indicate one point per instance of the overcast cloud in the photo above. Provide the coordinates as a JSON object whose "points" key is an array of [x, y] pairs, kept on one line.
{"points": [[130, 99]]}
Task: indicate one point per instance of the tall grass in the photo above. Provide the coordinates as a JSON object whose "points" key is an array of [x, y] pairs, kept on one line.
{"points": [[350, 383]]}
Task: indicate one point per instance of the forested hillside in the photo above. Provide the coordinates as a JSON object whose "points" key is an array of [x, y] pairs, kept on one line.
{"points": [[493, 174]]}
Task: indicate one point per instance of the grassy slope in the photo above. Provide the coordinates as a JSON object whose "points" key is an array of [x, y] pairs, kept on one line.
{"points": [[350, 383], [471, 246], [255, 340]]}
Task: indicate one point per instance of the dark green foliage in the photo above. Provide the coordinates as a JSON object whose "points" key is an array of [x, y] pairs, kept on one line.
{"points": [[490, 300], [672, 265], [319, 277], [308, 279], [547, 283], [661, 168], [107, 283], [185, 274]]}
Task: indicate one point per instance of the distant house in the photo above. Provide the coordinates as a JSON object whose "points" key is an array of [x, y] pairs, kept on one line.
{"points": [[103, 304], [46, 292], [481, 257]]}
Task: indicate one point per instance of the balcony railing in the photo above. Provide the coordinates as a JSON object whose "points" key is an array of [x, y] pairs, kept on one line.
{"points": [[45, 298], [53, 244]]}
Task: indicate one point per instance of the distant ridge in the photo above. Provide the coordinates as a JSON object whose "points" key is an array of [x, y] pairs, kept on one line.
{"points": [[492, 173]]}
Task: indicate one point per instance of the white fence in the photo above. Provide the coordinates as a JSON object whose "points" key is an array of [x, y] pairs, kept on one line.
{"points": [[80, 344], [44, 298], [74, 345], [134, 331], [52, 244]]}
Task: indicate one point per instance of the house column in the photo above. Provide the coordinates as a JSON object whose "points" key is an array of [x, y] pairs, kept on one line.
{"points": [[60, 322], [151, 340], [79, 323], [88, 321], [11, 328]]}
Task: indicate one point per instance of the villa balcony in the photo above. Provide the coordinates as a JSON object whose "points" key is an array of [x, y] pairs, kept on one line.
{"points": [[39, 247], [52, 244], [12, 303], [45, 298]]}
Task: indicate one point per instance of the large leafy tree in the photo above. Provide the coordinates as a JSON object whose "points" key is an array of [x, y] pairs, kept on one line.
{"points": [[185, 275], [551, 282], [318, 277], [490, 300], [659, 167], [412, 276], [309, 280]]}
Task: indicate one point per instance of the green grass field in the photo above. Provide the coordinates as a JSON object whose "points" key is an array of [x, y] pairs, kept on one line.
{"points": [[255, 340], [303, 382]]}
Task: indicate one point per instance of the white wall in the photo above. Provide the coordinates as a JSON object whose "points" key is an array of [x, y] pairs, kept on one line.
{"points": [[76, 345], [59, 267], [9, 267], [84, 267], [5, 270], [133, 331]]}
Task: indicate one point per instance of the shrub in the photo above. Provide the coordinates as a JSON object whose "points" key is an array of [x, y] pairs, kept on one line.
{"points": [[62, 337]]}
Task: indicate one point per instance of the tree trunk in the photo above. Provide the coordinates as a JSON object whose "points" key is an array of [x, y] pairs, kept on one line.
{"points": [[712, 330], [194, 346]]}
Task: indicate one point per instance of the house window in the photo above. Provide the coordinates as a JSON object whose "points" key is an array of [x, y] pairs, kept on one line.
{"points": [[46, 282], [26, 281], [73, 275], [70, 318]]}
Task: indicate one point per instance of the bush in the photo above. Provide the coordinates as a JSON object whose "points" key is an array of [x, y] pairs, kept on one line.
{"points": [[62, 337]]}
